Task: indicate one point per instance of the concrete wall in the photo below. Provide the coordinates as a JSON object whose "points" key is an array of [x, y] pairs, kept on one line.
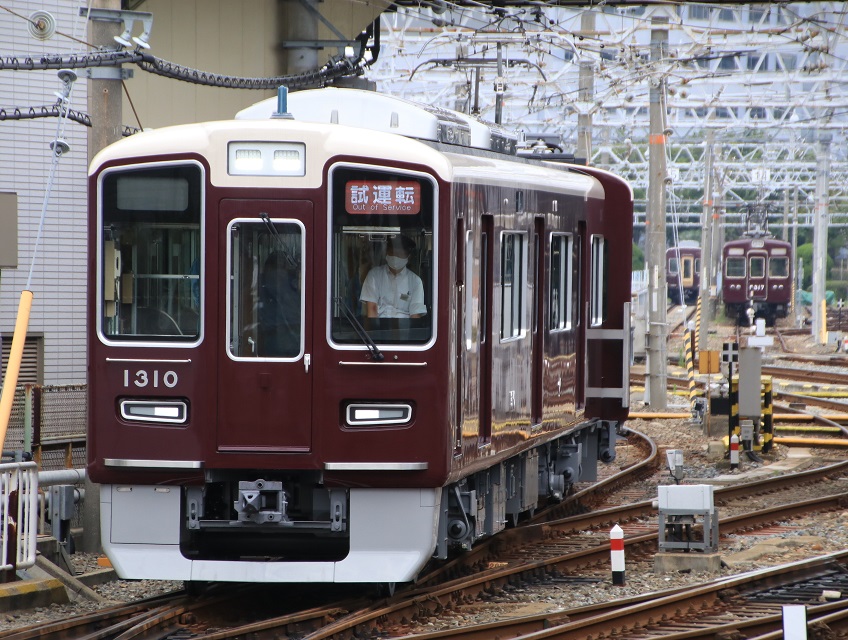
{"points": [[234, 38]]}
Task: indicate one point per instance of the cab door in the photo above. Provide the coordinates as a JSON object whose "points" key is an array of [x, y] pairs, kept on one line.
{"points": [[265, 377], [757, 275]]}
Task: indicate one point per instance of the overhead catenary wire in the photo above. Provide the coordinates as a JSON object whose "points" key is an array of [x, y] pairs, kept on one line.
{"points": [[58, 147]]}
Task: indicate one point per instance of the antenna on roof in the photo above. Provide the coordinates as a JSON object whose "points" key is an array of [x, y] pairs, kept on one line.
{"points": [[282, 104]]}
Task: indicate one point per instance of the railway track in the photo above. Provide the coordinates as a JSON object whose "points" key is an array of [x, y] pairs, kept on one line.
{"points": [[816, 376], [677, 326], [558, 550], [745, 606], [216, 614]]}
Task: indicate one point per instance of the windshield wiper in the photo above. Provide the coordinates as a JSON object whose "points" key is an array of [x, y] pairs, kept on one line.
{"points": [[376, 354], [291, 263]]}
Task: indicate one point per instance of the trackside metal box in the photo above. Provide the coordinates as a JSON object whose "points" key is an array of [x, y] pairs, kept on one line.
{"points": [[694, 498]]}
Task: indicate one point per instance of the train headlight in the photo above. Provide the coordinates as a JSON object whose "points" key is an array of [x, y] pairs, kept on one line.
{"points": [[372, 414], [266, 159], [160, 411]]}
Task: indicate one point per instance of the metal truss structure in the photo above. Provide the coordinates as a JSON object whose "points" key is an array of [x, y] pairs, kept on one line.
{"points": [[769, 81]]}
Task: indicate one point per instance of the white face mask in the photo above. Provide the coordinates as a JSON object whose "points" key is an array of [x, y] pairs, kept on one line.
{"points": [[396, 263]]}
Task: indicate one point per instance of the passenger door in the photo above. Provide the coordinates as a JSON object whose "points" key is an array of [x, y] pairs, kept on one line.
{"points": [[264, 379], [688, 270]]}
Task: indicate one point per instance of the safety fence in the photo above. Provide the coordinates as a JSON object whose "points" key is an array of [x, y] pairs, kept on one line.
{"points": [[49, 422], [18, 514]]}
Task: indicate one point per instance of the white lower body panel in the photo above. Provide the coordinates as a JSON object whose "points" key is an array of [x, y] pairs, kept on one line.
{"points": [[392, 535]]}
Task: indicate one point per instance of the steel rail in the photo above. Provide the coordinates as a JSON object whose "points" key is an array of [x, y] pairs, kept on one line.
{"points": [[430, 602], [571, 504], [637, 616], [806, 375], [117, 619], [820, 420]]}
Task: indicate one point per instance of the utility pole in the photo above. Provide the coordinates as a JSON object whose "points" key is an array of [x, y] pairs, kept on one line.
{"points": [[820, 237], [785, 234], [585, 94], [706, 243], [718, 234], [104, 86], [500, 87], [104, 106], [656, 350], [796, 279], [299, 40]]}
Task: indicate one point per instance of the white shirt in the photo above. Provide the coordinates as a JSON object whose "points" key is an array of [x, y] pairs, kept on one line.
{"points": [[396, 296]]}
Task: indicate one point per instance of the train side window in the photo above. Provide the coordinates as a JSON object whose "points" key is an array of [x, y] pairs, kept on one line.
{"points": [[599, 280], [734, 267], [513, 284], [382, 257], [265, 298], [757, 266], [150, 270], [472, 286], [560, 292], [778, 267], [672, 266]]}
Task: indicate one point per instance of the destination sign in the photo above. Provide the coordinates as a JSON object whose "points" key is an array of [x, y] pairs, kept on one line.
{"points": [[383, 197]]}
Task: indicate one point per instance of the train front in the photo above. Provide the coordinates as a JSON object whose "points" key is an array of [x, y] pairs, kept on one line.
{"points": [[757, 279], [252, 417]]}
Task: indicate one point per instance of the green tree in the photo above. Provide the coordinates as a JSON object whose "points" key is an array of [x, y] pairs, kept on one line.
{"points": [[638, 262], [804, 253]]}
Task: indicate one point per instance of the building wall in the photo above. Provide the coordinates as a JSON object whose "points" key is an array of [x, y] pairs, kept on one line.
{"points": [[234, 38], [58, 281]]}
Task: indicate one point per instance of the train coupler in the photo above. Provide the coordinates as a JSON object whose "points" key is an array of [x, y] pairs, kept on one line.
{"points": [[261, 502]]}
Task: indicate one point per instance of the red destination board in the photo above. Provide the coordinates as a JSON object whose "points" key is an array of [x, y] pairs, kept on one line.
{"points": [[372, 197]]}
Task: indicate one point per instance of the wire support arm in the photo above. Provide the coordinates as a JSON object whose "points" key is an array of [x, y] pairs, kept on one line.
{"points": [[44, 111], [333, 69]]}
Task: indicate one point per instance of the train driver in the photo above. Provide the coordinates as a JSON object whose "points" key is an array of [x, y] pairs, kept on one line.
{"points": [[392, 290]]}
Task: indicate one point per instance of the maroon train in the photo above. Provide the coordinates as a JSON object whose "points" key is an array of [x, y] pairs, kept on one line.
{"points": [[756, 273], [683, 269], [250, 422]]}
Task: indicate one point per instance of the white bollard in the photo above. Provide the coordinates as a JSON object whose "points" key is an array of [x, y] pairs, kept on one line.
{"points": [[734, 451], [617, 555]]}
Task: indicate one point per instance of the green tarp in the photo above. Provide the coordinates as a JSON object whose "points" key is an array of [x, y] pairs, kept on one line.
{"points": [[806, 298]]}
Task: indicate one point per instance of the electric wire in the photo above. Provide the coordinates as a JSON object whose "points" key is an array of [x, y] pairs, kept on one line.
{"points": [[58, 151], [669, 188]]}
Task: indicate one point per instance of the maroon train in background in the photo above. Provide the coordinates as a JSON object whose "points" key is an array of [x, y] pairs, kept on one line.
{"points": [[756, 273], [250, 418], [683, 271]]}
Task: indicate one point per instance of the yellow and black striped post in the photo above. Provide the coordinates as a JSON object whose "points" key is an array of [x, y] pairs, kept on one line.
{"points": [[768, 414], [690, 366], [733, 418], [697, 346]]}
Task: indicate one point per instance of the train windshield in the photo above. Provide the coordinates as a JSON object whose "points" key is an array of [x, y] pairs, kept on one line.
{"points": [[735, 267], [150, 254], [381, 264], [778, 267]]}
